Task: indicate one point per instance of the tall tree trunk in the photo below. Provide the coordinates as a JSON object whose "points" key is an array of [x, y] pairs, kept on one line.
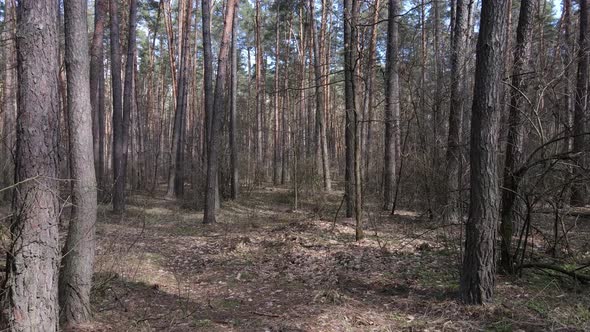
{"points": [[368, 101], [321, 144], [569, 72], [129, 88], [391, 106], [352, 179], [578, 194], [259, 92], [479, 266], [286, 118], [457, 104], [78, 261], [207, 69], [176, 174], [277, 151], [97, 87], [9, 100], [117, 118], [516, 129], [171, 47], [233, 125], [34, 257], [217, 116]]}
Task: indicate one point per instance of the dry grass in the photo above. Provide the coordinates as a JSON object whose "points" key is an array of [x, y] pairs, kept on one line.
{"points": [[264, 267]]}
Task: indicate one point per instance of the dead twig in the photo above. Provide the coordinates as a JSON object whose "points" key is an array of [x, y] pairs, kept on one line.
{"points": [[265, 314]]}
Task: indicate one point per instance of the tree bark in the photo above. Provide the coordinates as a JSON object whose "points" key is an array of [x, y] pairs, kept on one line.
{"points": [[129, 90], [78, 259], [453, 212], [176, 176], [276, 131], [391, 106], [516, 129], [33, 259], [117, 118], [578, 192], [259, 92], [352, 179], [368, 101], [9, 99], [97, 87], [207, 70], [479, 266], [321, 143], [217, 116], [233, 130]]}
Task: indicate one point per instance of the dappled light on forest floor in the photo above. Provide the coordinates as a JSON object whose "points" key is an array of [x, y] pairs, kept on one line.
{"points": [[263, 267]]}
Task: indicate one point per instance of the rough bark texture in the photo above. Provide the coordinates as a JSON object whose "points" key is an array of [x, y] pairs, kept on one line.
{"points": [[479, 266], [117, 120], [457, 103], [391, 106], [8, 137], [34, 254], [578, 192], [516, 129], [217, 116], [97, 87], [76, 278]]}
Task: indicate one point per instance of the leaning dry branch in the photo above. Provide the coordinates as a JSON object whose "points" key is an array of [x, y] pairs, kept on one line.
{"points": [[572, 273]]}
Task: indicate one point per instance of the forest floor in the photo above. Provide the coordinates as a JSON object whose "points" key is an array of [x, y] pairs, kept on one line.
{"points": [[265, 267]]}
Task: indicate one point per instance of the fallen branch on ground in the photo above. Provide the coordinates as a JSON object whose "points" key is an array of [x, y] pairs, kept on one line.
{"points": [[577, 276]]}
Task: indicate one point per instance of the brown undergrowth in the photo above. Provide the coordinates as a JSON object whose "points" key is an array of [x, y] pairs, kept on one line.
{"points": [[265, 267]]}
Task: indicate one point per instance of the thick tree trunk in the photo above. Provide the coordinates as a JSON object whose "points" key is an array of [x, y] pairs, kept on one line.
{"points": [[78, 261], [516, 129], [97, 87], [217, 116], [391, 106], [34, 255], [453, 213], [8, 137], [479, 266], [580, 108], [117, 118]]}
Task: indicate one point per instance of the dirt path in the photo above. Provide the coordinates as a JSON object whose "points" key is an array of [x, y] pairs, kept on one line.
{"points": [[264, 267]]}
